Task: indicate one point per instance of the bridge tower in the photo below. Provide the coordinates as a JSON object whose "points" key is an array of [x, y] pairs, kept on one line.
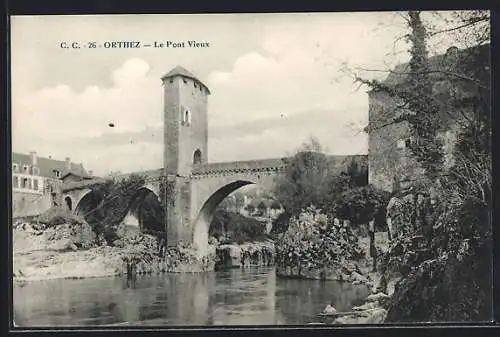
{"points": [[185, 146]]}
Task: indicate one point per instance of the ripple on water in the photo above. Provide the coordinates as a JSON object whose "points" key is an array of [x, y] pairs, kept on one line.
{"points": [[235, 297]]}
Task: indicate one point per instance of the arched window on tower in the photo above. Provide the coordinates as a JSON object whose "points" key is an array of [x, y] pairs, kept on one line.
{"points": [[197, 157], [186, 117]]}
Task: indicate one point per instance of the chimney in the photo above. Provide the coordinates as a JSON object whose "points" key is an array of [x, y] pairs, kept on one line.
{"points": [[34, 158], [68, 164]]}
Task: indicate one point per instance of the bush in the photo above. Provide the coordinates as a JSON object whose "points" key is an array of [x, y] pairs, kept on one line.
{"points": [[314, 241], [81, 235], [57, 216], [362, 204], [450, 267]]}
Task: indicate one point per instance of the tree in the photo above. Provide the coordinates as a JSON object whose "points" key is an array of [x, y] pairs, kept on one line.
{"points": [[302, 183], [116, 201], [362, 204], [454, 281]]}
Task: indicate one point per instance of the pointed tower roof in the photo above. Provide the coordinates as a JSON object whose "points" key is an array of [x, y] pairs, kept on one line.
{"points": [[181, 71]]}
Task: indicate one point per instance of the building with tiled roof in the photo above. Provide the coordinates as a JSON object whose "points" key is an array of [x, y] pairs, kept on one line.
{"points": [[37, 182], [45, 167]]}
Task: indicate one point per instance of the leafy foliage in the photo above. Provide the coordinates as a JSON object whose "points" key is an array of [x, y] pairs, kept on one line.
{"points": [[362, 204], [446, 255], [230, 227], [56, 216], [314, 241], [116, 199], [311, 180], [81, 235]]}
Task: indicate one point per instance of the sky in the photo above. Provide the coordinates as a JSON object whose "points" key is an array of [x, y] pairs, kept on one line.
{"points": [[275, 81]]}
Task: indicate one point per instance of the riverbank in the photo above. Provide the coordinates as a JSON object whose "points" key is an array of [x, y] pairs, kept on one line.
{"points": [[43, 254], [355, 272], [35, 258]]}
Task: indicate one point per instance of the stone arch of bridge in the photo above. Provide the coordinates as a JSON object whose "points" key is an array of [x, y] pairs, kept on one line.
{"points": [[86, 203], [145, 211], [206, 213]]}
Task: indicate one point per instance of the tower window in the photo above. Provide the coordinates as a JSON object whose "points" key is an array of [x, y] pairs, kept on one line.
{"points": [[24, 183], [197, 157], [186, 117], [36, 170], [15, 168], [57, 173], [26, 168], [15, 182], [35, 184]]}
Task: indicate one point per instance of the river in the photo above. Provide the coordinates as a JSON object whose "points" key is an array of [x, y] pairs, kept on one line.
{"points": [[252, 296]]}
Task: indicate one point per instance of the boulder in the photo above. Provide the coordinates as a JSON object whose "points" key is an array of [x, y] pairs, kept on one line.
{"points": [[367, 306], [377, 297], [62, 245], [376, 316]]}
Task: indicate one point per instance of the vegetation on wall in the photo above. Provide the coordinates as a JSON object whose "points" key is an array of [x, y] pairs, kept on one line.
{"points": [[117, 196], [445, 256]]}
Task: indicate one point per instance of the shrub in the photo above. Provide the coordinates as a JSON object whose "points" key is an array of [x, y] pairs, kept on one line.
{"points": [[57, 216], [315, 241], [81, 235]]}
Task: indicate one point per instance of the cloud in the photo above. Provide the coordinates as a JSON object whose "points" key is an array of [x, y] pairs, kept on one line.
{"points": [[264, 101], [134, 101]]}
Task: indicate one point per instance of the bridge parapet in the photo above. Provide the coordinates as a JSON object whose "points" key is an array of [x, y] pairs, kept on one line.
{"points": [[78, 185], [250, 166]]}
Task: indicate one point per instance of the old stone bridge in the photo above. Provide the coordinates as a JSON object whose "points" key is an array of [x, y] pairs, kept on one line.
{"points": [[191, 206], [187, 188]]}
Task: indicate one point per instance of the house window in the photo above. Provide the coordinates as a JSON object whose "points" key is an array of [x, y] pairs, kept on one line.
{"points": [[408, 142], [171, 80], [24, 183], [15, 182], [26, 168], [35, 184], [57, 173], [15, 168]]}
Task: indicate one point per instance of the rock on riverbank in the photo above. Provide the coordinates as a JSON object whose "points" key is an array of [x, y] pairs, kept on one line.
{"points": [[70, 251], [36, 258], [260, 253]]}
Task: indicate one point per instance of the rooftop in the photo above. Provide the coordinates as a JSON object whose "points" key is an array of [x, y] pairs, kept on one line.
{"points": [[181, 71], [47, 166]]}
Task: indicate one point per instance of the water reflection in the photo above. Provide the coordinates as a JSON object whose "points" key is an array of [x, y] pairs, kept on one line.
{"points": [[249, 296]]}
